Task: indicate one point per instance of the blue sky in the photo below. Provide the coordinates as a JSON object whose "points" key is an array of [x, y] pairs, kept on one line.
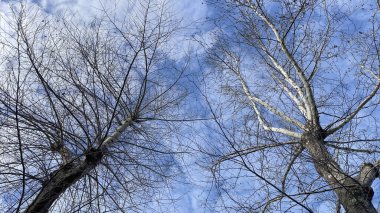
{"points": [[190, 189]]}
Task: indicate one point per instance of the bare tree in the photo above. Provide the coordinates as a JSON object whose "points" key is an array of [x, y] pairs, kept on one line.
{"points": [[84, 109], [300, 123]]}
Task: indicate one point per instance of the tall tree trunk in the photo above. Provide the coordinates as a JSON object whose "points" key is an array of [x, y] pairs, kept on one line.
{"points": [[61, 180], [353, 195], [70, 173]]}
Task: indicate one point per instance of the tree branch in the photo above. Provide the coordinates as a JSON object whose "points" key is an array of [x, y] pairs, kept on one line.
{"points": [[354, 113]]}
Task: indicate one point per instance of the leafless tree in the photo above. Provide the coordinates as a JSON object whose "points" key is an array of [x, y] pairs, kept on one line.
{"points": [[84, 109], [300, 124]]}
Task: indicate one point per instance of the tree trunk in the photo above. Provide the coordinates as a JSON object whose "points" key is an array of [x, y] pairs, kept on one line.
{"points": [[352, 194], [61, 180]]}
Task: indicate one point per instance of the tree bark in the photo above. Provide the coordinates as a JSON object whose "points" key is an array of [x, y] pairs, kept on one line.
{"points": [[353, 195], [70, 173], [61, 180]]}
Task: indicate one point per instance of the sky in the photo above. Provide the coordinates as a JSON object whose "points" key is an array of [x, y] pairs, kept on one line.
{"points": [[192, 13]]}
